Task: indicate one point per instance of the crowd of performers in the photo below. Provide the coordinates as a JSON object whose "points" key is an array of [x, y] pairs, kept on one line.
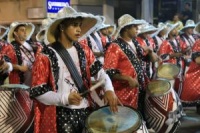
{"points": [[75, 50]]}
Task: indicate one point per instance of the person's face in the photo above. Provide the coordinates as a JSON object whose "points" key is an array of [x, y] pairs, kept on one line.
{"points": [[163, 32], [176, 18], [133, 31], [187, 6], [104, 31], [72, 31], [20, 33], [189, 31], [174, 32]]}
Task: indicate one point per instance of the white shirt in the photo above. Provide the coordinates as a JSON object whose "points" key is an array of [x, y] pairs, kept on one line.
{"points": [[26, 62], [60, 98]]}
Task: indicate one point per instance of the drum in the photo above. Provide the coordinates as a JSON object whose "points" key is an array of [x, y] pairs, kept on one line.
{"points": [[162, 107], [16, 112], [126, 120], [172, 73], [168, 71]]}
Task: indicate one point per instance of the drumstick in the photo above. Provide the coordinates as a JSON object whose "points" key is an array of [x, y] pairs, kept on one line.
{"points": [[98, 84]]}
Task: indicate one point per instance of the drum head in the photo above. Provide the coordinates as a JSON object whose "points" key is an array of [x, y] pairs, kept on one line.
{"points": [[126, 120], [158, 87], [10, 87], [168, 71]]}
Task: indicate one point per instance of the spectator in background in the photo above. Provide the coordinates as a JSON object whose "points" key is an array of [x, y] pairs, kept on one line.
{"points": [[176, 19], [187, 13]]}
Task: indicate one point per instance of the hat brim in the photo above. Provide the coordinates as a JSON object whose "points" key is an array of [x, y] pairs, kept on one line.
{"points": [[158, 31], [29, 31], [172, 28], [40, 35], [135, 22], [197, 28], [89, 23], [189, 26], [4, 33], [148, 30]]}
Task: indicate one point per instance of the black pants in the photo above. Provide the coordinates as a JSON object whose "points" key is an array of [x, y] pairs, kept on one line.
{"points": [[71, 120]]}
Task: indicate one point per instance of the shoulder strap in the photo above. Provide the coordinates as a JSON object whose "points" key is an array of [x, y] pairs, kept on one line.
{"points": [[70, 65], [97, 42]]}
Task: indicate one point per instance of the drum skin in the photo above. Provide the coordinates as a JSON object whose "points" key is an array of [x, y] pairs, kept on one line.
{"points": [[158, 107], [16, 115], [126, 120]]}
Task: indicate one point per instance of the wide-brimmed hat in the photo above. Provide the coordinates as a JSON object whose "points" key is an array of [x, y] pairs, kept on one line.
{"points": [[89, 23], [126, 20], [197, 28], [40, 35], [29, 30], [147, 28], [3, 31], [161, 26], [171, 27], [189, 24]]}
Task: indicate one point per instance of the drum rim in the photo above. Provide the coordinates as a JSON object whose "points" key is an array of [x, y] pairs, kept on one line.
{"points": [[10, 87], [170, 65], [158, 95], [139, 115]]}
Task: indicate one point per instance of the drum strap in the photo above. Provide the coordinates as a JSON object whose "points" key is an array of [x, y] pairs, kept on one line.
{"points": [[70, 65], [97, 42]]}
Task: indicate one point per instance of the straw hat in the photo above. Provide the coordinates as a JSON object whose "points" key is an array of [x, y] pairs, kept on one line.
{"points": [[161, 26], [189, 24], [89, 23], [102, 18], [29, 30], [40, 35], [171, 27], [197, 28], [126, 20], [147, 28], [3, 31]]}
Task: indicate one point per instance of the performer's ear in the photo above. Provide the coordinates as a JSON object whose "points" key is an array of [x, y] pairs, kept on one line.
{"points": [[61, 27]]}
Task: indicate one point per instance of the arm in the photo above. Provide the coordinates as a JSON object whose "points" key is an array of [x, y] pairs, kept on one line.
{"points": [[42, 89]]}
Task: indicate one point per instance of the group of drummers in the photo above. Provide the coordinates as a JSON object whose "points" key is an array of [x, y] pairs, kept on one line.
{"points": [[86, 76]]}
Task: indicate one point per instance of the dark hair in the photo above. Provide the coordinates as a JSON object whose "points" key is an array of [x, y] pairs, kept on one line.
{"points": [[187, 3], [63, 25], [16, 29], [125, 28]]}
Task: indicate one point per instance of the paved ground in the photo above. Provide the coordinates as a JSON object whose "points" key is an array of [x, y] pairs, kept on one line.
{"points": [[191, 122]]}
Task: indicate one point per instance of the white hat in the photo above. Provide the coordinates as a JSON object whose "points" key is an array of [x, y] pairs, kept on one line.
{"points": [[89, 22], [161, 26], [3, 31], [126, 20], [147, 28], [29, 30], [189, 24], [40, 35], [197, 28], [102, 18], [103, 26], [171, 27]]}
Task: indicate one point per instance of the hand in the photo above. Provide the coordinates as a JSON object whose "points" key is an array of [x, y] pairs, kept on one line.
{"points": [[74, 98], [147, 49], [133, 82], [4, 66], [112, 100], [20, 68], [178, 54]]}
